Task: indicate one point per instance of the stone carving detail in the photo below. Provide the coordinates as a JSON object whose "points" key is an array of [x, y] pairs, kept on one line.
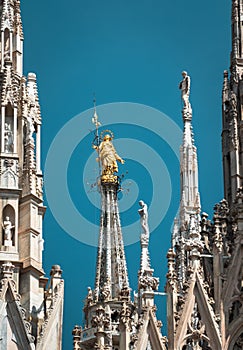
{"points": [[76, 337], [18, 27], [10, 88], [205, 231], [125, 316], [194, 244], [235, 11], [29, 122], [233, 102], [239, 195], [8, 139], [101, 321], [171, 276], [105, 291], [147, 281], [89, 298], [221, 213], [53, 296], [239, 343], [125, 293], [196, 338], [9, 173], [7, 270]]}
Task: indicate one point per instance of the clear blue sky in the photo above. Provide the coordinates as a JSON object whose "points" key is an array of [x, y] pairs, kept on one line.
{"points": [[126, 51]]}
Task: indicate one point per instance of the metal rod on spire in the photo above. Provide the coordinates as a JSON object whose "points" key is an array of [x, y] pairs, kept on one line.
{"points": [[96, 141]]}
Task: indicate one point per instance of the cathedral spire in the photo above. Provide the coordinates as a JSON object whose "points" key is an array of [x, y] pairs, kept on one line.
{"points": [[111, 272], [147, 283], [237, 31], [21, 203], [11, 35], [190, 198], [232, 101], [186, 234], [109, 304], [112, 319]]}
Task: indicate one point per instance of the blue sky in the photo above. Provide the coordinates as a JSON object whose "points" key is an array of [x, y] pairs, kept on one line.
{"points": [[125, 51]]}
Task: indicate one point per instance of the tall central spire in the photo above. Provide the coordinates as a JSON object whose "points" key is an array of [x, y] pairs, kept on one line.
{"points": [[111, 271], [108, 307]]}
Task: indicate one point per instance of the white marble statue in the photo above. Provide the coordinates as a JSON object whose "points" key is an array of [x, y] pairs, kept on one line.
{"points": [[108, 156], [143, 212], [185, 90], [7, 228], [8, 138], [29, 128], [7, 48]]}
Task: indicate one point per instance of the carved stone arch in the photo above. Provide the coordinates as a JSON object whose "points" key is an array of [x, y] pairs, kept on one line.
{"points": [[192, 340], [9, 179], [9, 212], [235, 333]]}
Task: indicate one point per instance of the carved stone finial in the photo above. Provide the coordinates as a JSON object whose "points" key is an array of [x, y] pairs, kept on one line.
{"points": [[125, 316], [76, 337], [147, 282], [100, 320], [89, 298], [171, 276], [7, 270], [221, 209], [105, 291], [125, 293], [239, 196]]}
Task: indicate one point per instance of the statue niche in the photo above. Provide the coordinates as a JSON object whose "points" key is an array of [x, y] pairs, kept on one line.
{"points": [[6, 46], [8, 130]]}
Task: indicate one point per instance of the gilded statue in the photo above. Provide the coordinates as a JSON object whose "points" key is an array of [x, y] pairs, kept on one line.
{"points": [[108, 156]]}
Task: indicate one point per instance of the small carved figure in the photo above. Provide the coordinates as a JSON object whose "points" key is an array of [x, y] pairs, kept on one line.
{"points": [[233, 102], [100, 320], [105, 291], [195, 318], [7, 48], [143, 212], [7, 228], [184, 86], [148, 282], [89, 296], [29, 128], [125, 316], [8, 139], [108, 156]]}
